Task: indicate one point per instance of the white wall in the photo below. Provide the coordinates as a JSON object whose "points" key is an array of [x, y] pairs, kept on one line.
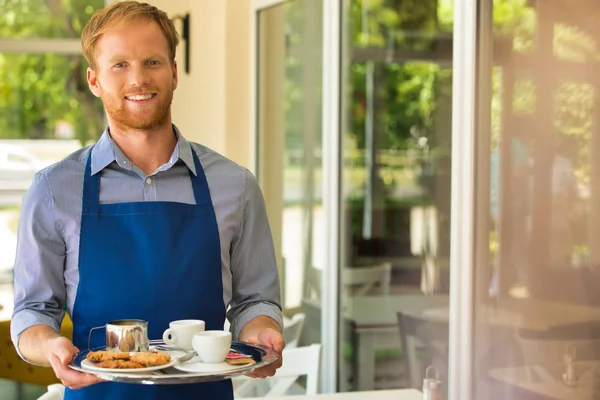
{"points": [[212, 103]]}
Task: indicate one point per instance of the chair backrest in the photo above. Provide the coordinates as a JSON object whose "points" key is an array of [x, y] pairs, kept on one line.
{"points": [[429, 337], [313, 283], [297, 362], [292, 330], [361, 281]]}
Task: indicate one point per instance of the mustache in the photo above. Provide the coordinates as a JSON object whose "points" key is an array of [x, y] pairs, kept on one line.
{"points": [[141, 90]]}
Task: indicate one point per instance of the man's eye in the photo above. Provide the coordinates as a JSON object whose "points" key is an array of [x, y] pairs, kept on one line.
{"points": [[120, 65], [153, 62]]}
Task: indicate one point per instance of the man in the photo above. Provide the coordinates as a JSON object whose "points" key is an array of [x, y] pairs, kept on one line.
{"points": [[141, 225]]}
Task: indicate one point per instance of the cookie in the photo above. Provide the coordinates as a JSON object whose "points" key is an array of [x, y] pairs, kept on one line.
{"points": [[122, 356], [121, 364], [151, 359], [236, 358], [99, 356], [240, 361]]}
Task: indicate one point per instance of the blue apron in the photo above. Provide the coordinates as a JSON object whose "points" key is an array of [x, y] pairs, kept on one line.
{"points": [[157, 261]]}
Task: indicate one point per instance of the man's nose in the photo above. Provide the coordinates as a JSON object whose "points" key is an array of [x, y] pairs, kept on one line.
{"points": [[138, 76]]}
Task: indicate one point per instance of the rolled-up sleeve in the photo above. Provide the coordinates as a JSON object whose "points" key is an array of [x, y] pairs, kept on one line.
{"points": [[39, 285], [255, 279]]}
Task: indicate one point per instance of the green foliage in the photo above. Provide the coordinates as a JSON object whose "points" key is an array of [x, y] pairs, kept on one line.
{"points": [[45, 18], [39, 91], [406, 96]]}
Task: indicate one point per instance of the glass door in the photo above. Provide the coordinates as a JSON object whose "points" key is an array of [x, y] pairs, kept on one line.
{"points": [[396, 187], [289, 150], [536, 297]]}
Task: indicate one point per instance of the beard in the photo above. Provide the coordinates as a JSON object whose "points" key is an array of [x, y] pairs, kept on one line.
{"points": [[147, 116]]}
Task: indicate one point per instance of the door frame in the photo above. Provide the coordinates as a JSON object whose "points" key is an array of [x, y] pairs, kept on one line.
{"points": [[463, 201], [331, 185]]}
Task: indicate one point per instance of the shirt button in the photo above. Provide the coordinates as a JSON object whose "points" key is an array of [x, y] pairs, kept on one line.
{"points": [[148, 181]]}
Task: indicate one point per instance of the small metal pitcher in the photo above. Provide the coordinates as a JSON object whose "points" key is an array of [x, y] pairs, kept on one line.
{"points": [[125, 335]]}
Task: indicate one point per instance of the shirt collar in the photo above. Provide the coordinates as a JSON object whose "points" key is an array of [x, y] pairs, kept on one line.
{"points": [[183, 150], [106, 151], [102, 153]]}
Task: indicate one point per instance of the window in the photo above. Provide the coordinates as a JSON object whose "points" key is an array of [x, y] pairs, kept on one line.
{"points": [[46, 110], [396, 155]]}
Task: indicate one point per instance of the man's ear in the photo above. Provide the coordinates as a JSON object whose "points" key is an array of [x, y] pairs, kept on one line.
{"points": [[175, 75], [93, 82]]}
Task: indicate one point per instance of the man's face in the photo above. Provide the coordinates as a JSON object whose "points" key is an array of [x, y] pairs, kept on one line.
{"points": [[134, 76]]}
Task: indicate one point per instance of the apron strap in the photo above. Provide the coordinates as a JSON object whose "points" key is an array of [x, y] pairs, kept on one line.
{"points": [[91, 186], [199, 183]]}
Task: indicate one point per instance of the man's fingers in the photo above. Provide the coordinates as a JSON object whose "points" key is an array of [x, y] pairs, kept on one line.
{"points": [[272, 339], [266, 371], [69, 377], [278, 347], [64, 356]]}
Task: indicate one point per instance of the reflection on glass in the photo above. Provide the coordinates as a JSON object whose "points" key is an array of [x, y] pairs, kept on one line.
{"points": [[538, 335], [25, 19], [290, 161], [396, 194]]}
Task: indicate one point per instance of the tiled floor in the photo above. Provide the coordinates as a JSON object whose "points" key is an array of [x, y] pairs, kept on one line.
{"points": [[10, 390]]}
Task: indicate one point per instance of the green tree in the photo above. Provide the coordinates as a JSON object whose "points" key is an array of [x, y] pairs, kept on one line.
{"points": [[37, 91]]}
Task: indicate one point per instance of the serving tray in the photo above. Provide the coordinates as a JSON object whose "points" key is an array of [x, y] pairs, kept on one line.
{"points": [[175, 375]]}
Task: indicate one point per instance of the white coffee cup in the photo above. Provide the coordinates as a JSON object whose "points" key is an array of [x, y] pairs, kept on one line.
{"points": [[212, 346], [181, 332]]}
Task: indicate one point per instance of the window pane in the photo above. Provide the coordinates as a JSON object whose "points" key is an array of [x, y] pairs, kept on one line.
{"points": [[46, 112], [396, 193], [47, 97], [289, 149], [537, 302], [20, 19]]}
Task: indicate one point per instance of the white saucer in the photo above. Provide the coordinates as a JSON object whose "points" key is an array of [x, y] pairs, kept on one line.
{"points": [[196, 366]]}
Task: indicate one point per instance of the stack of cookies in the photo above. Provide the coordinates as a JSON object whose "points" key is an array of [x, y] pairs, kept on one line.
{"points": [[125, 360]]}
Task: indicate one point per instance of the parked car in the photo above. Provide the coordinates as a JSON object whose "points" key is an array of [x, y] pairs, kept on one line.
{"points": [[17, 169]]}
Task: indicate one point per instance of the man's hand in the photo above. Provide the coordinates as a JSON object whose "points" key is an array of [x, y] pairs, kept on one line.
{"points": [[59, 352], [264, 330], [41, 345]]}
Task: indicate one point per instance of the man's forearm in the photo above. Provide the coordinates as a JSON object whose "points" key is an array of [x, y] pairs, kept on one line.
{"points": [[32, 341]]}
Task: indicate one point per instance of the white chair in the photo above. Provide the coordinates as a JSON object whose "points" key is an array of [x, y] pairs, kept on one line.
{"points": [[55, 392], [297, 362], [313, 286], [361, 281], [292, 330]]}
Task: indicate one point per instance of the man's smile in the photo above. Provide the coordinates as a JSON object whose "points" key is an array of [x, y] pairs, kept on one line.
{"points": [[141, 97]]}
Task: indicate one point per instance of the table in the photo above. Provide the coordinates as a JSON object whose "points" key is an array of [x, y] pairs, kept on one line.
{"points": [[532, 315], [397, 394], [546, 380], [374, 320], [374, 324]]}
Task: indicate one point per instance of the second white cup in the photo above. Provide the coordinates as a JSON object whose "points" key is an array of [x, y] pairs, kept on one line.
{"points": [[212, 346], [181, 332]]}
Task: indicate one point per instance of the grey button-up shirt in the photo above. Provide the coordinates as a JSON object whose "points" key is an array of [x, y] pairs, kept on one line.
{"points": [[46, 271]]}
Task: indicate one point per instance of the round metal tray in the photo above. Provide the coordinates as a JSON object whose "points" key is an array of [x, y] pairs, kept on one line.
{"points": [[261, 354]]}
